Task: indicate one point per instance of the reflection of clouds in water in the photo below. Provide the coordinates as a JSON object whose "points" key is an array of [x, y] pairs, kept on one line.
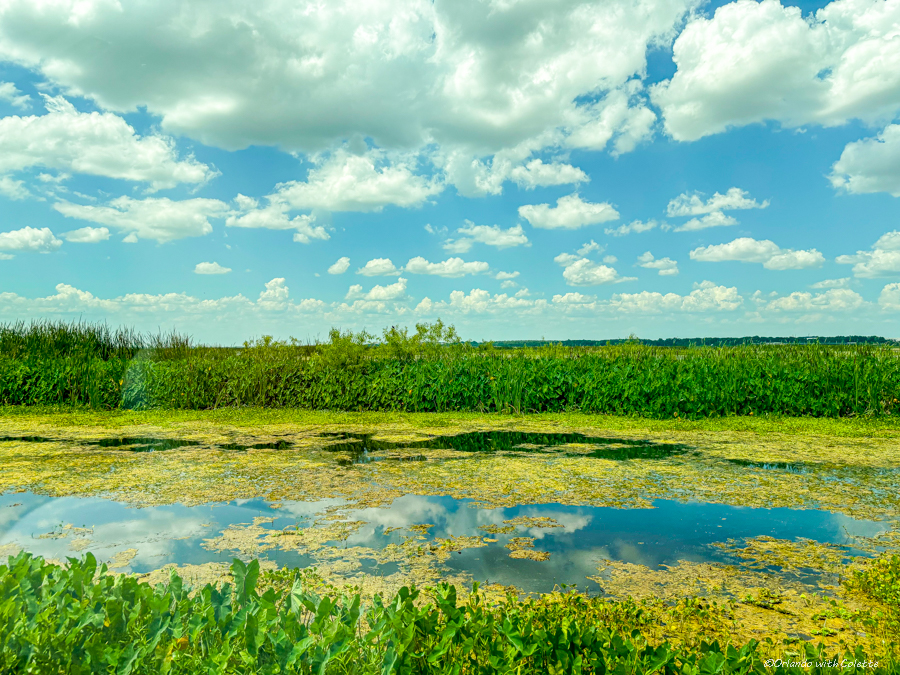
{"points": [[306, 509], [405, 511], [115, 527], [857, 528]]}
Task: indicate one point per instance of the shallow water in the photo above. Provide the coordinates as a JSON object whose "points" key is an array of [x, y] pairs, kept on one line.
{"points": [[672, 531]]}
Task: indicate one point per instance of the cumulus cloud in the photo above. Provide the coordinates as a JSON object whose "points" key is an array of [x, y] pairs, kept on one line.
{"points": [[39, 240], [890, 297], [665, 266], [706, 297], [479, 301], [714, 219], [537, 174], [159, 219], [275, 216], [687, 204], [570, 213], [379, 267], [395, 291], [763, 251], [307, 76], [451, 267], [833, 300], [345, 181], [340, 266], [492, 235], [99, 144], [212, 268], [621, 116], [150, 308], [831, 283], [14, 189], [870, 165], [503, 276], [882, 260], [10, 94], [87, 235], [584, 272], [753, 62], [632, 227]]}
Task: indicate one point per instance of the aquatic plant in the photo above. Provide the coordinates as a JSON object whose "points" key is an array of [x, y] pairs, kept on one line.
{"points": [[433, 371], [79, 619]]}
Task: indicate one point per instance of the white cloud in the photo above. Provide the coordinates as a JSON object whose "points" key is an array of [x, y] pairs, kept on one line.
{"points": [[870, 165], [14, 189], [621, 114], [87, 235], [451, 267], [358, 182], [275, 216], [890, 297], [537, 174], [574, 298], [706, 297], [275, 296], [13, 96], [150, 309], [160, 219], [760, 61], [29, 239], [831, 283], [340, 266], [212, 268], [492, 235], [307, 76], [882, 260], [583, 272], [379, 267], [589, 247], [570, 213], [833, 300], [99, 144], [634, 226], [763, 251], [714, 219], [687, 204], [505, 276], [666, 266], [479, 301], [395, 291]]}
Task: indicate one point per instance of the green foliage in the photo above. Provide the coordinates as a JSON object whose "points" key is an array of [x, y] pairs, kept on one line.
{"points": [[880, 580], [77, 619], [431, 370]]}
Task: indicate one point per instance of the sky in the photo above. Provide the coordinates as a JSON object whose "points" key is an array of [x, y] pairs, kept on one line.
{"points": [[521, 169]]}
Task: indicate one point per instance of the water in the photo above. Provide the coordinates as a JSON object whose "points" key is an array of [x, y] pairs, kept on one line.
{"points": [[663, 535], [362, 448]]}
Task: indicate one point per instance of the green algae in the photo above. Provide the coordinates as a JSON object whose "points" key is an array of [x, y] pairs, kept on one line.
{"points": [[842, 466]]}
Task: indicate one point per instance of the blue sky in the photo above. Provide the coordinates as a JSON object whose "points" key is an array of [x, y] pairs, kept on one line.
{"points": [[520, 169]]}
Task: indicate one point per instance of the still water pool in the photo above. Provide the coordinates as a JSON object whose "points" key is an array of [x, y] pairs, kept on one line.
{"points": [[576, 538]]}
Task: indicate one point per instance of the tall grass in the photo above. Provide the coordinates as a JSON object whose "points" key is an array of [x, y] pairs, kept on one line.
{"points": [[432, 370]]}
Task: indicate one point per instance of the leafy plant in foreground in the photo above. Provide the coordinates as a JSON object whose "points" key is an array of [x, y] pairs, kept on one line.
{"points": [[78, 619]]}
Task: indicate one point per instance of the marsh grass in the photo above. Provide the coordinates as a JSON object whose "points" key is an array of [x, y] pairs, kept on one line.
{"points": [[432, 370]]}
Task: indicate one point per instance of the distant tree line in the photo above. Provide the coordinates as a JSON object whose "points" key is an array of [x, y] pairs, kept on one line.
{"points": [[704, 341]]}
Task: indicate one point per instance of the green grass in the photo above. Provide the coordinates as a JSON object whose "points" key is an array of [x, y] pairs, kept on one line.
{"points": [[433, 371], [77, 619]]}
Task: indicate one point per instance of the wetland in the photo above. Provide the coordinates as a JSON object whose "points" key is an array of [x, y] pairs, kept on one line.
{"points": [[764, 521]]}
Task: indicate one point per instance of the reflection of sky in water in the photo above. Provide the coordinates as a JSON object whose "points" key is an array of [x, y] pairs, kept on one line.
{"points": [[663, 535]]}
